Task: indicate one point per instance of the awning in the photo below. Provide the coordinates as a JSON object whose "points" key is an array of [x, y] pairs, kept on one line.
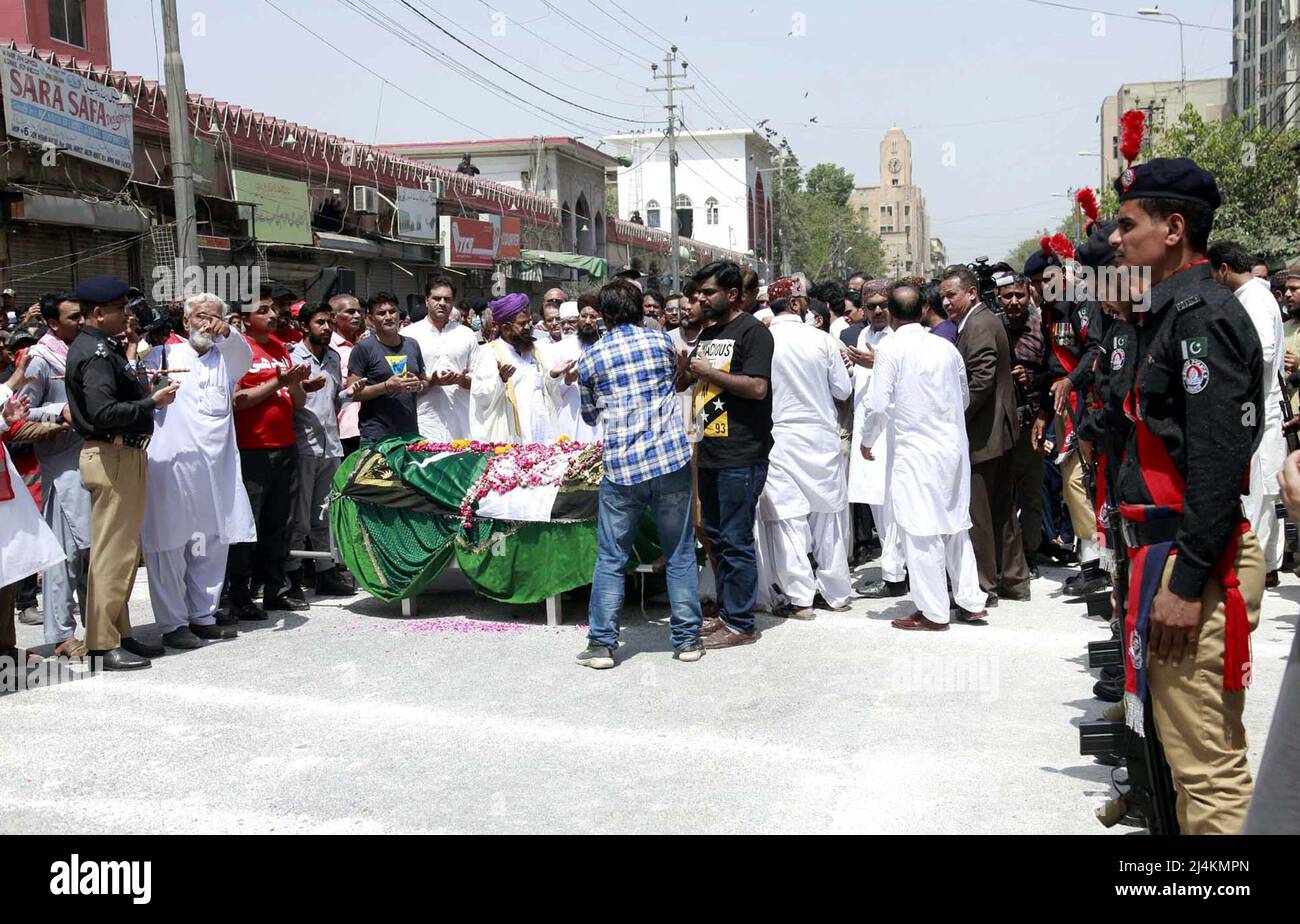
{"points": [[344, 243], [593, 265]]}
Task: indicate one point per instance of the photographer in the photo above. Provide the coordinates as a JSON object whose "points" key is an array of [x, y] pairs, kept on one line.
{"points": [[112, 409]]}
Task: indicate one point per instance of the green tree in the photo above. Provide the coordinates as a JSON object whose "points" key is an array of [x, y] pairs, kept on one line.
{"points": [[1256, 170], [830, 182]]}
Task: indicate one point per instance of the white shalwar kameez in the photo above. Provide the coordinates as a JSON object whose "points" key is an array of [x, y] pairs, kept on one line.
{"points": [[196, 505], [519, 411], [804, 506], [568, 399], [867, 477], [27, 544], [443, 410], [1260, 503], [918, 400]]}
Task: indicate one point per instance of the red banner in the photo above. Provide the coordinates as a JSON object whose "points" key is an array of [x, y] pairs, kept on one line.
{"points": [[468, 243], [510, 244]]}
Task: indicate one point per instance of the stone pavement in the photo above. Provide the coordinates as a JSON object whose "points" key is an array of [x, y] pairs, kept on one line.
{"points": [[475, 718]]}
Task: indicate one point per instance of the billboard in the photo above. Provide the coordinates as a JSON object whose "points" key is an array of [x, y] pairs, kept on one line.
{"points": [[283, 213], [417, 214], [510, 239], [467, 243], [47, 105]]}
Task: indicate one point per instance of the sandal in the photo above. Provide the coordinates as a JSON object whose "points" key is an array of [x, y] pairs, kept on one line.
{"points": [[70, 648]]}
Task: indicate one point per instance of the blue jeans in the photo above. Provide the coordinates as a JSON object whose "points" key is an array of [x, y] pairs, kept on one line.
{"points": [[728, 499], [621, 508]]}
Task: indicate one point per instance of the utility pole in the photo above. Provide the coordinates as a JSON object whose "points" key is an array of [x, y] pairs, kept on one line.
{"points": [[669, 60], [178, 124]]}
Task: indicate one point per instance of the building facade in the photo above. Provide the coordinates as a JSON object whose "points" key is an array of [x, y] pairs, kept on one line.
{"points": [[896, 209], [65, 27], [1265, 86], [1163, 101], [561, 169], [724, 183]]}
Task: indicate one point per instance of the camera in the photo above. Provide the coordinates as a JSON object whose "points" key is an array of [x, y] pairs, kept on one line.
{"points": [[146, 315]]}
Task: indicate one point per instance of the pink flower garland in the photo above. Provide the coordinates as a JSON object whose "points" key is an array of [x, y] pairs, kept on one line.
{"points": [[512, 466]]}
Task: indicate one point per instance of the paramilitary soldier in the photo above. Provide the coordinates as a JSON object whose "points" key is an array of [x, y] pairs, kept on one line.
{"points": [[1196, 574], [1071, 334], [112, 409]]}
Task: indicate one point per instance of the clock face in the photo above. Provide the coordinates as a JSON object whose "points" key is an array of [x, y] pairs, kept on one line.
{"points": [[895, 165]]}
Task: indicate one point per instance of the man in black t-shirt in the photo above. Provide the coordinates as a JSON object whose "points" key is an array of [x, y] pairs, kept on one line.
{"points": [[732, 364], [391, 367]]}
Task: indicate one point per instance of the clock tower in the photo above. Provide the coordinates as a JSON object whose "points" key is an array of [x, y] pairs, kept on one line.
{"points": [[895, 159]]}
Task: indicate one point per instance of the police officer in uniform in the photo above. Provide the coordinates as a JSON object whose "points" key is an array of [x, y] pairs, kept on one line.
{"points": [[1196, 573], [1073, 346], [112, 409]]}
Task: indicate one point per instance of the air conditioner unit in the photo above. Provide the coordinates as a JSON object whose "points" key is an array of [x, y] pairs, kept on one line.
{"points": [[365, 199]]}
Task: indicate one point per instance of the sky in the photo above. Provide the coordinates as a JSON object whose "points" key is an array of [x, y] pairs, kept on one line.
{"points": [[997, 96]]}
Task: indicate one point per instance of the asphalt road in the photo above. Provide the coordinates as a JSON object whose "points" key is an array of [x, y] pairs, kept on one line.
{"points": [[473, 717]]}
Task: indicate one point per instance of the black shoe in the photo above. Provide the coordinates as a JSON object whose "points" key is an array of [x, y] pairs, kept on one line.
{"points": [[1056, 552], [249, 612], [991, 601], [879, 590], [295, 591], [225, 618], [1088, 581], [332, 584], [1108, 692], [285, 603], [143, 649], [214, 633], [117, 660], [182, 638]]}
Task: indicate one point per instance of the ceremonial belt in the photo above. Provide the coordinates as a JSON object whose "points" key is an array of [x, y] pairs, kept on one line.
{"points": [[1153, 529]]}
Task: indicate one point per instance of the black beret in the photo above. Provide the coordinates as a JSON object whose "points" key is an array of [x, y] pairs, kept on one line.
{"points": [[1177, 178], [1096, 250], [100, 290], [1037, 263]]}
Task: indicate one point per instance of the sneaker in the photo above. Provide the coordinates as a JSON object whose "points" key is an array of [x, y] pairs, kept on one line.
{"points": [[31, 616], [692, 653], [597, 656]]}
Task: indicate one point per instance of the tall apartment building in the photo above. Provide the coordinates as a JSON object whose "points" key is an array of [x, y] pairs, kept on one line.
{"points": [[1265, 75], [1163, 101]]}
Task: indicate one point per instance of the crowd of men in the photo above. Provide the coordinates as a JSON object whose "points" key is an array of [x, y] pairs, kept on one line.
{"points": [[779, 434]]}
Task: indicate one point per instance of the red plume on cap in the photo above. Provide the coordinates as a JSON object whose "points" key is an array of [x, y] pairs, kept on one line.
{"points": [[1056, 246], [1087, 200], [1132, 126]]}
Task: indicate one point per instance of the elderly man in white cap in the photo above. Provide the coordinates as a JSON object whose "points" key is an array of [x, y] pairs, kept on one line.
{"points": [[197, 505], [558, 359]]}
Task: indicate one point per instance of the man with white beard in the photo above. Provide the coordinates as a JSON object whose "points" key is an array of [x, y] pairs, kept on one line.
{"points": [[197, 506], [867, 477], [918, 399], [556, 357], [1232, 268], [804, 505]]}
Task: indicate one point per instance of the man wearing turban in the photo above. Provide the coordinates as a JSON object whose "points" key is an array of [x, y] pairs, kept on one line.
{"points": [[512, 399]]}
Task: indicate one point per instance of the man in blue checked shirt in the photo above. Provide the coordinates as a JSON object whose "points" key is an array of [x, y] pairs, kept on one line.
{"points": [[627, 381]]}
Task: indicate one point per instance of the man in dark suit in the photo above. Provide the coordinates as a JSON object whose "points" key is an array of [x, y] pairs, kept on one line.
{"points": [[992, 429]]}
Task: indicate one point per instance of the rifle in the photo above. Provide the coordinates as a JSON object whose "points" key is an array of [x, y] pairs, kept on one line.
{"points": [[1288, 411], [1150, 799]]}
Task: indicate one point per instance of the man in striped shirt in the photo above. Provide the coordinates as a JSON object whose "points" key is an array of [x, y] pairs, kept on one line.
{"points": [[627, 382]]}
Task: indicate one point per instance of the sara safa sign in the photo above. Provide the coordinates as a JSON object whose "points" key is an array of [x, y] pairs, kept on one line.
{"points": [[49, 106]]}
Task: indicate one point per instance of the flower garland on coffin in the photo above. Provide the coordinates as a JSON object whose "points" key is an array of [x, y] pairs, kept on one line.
{"points": [[513, 467]]}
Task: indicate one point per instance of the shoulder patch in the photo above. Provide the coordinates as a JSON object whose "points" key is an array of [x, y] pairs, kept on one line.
{"points": [[1187, 302]]}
